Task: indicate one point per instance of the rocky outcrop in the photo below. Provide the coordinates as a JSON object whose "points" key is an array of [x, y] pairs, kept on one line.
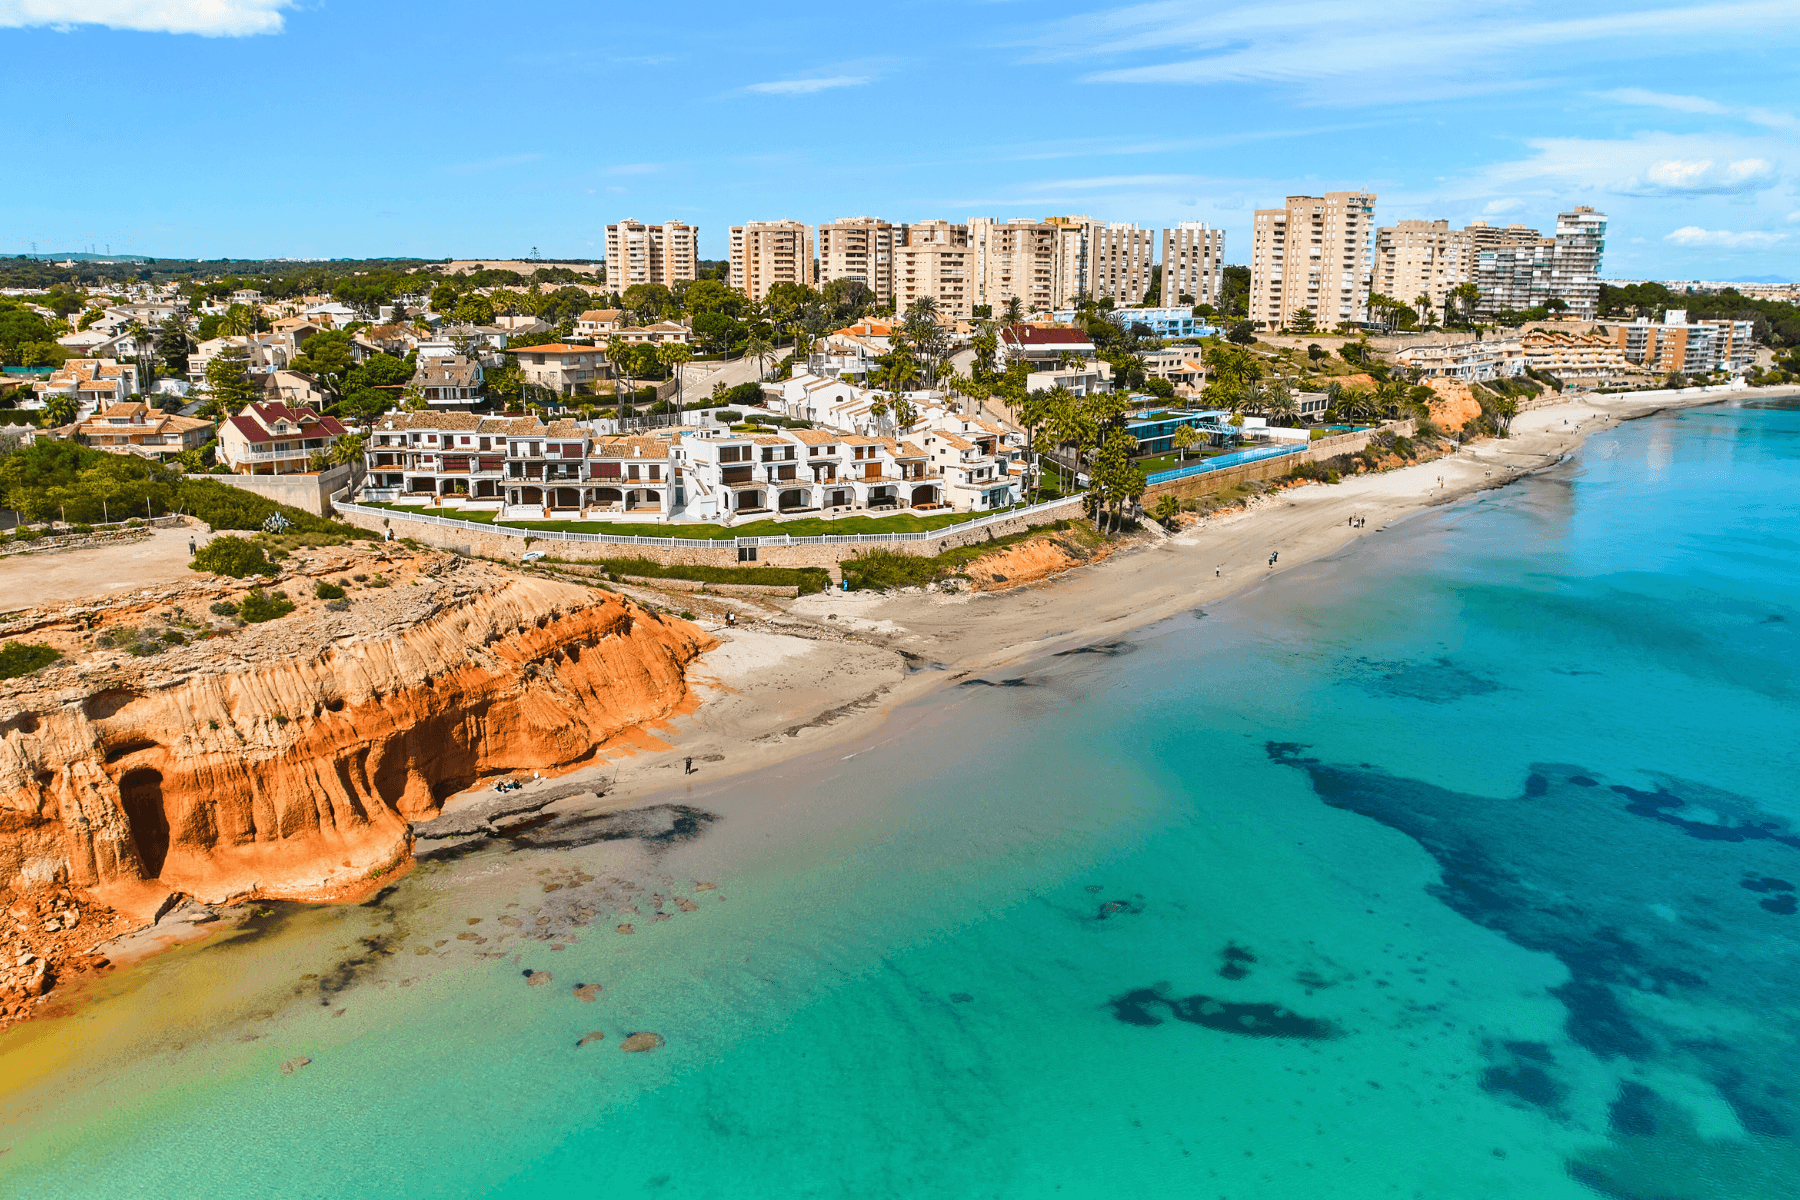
{"points": [[287, 759], [1454, 406], [1031, 560]]}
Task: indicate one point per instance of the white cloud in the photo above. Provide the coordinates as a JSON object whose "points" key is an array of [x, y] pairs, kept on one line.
{"points": [[1686, 104], [210, 18], [1494, 208], [1391, 45], [1693, 235], [1700, 177], [806, 87], [1766, 117], [1650, 164]]}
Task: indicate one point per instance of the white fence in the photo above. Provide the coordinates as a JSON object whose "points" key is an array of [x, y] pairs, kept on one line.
{"points": [[670, 543]]}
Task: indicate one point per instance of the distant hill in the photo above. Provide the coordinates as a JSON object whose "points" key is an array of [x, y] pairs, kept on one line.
{"points": [[1759, 279], [78, 256]]}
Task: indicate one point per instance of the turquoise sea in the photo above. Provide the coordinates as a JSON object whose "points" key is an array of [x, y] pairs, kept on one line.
{"points": [[1462, 864]]}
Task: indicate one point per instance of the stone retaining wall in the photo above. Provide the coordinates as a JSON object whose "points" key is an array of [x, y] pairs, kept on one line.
{"points": [[484, 544], [309, 493], [74, 541], [1270, 468], [725, 589]]}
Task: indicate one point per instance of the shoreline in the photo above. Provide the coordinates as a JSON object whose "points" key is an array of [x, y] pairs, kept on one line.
{"points": [[829, 669], [756, 713]]}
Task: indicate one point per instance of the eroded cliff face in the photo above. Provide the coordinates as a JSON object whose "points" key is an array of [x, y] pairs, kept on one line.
{"points": [[286, 759]]}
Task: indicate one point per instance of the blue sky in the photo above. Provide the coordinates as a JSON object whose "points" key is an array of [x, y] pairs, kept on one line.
{"points": [[322, 128]]}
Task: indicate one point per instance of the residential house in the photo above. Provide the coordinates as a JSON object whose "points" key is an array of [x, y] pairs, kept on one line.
{"points": [[969, 478], [136, 428], [1083, 377], [868, 338], [1042, 345], [596, 323], [561, 367], [270, 438], [657, 334], [395, 339], [296, 389], [93, 383], [1180, 365], [452, 382]]}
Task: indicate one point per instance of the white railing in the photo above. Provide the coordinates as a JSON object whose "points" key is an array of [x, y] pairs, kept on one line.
{"points": [[269, 455], [625, 539]]}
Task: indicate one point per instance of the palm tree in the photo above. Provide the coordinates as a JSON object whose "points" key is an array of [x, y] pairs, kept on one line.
{"points": [[672, 355], [1167, 506], [1427, 311], [1185, 436], [1465, 296], [1014, 310], [758, 348]]}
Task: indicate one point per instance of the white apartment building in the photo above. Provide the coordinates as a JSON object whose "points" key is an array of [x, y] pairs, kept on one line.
{"points": [[1422, 258], [1471, 362], [1575, 260], [1516, 270], [1099, 260], [1313, 254], [1193, 263], [765, 253], [522, 468], [937, 261], [1015, 258], [861, 248], [639, 253]]}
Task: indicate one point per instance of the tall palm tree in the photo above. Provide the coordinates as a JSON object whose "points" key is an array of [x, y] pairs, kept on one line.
{"points": [[673, 355], [1014, 310], [758, 348]]}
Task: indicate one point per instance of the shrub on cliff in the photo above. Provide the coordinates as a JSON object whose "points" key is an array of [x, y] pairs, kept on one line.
{"points": [[22, 658], [261, 606], [234, 556], [328, 591]]}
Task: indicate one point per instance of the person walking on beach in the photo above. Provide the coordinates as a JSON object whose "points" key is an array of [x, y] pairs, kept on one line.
{"points": [[191, 549], [688, 766]]}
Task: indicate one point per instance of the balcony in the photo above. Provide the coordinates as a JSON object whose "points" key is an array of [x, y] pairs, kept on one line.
{"points": [[269, 455]]}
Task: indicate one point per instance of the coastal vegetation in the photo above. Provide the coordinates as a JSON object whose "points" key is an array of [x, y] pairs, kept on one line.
{"points": [[234, 556], [807, 579], [55, 480], [22, 658], [260, 606], [880, 569]]}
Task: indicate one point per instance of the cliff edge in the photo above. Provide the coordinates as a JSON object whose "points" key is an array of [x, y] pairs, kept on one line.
{"points": [[174, 749]]}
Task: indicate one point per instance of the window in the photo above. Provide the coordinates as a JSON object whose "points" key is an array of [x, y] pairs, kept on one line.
{"points": [[746, 553]]}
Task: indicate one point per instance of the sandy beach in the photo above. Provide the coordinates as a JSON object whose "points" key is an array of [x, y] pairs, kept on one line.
{"points": [[806, 674]]}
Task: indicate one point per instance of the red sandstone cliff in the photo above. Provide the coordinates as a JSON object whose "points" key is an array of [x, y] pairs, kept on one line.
{"points": [[286, 759]]}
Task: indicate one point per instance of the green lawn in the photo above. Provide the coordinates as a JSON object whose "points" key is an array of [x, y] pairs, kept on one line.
{"points": [[1169, 462], [806, 527]]}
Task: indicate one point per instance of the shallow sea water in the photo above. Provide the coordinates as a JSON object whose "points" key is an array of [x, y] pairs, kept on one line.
{"points": [[1460, 865]]}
